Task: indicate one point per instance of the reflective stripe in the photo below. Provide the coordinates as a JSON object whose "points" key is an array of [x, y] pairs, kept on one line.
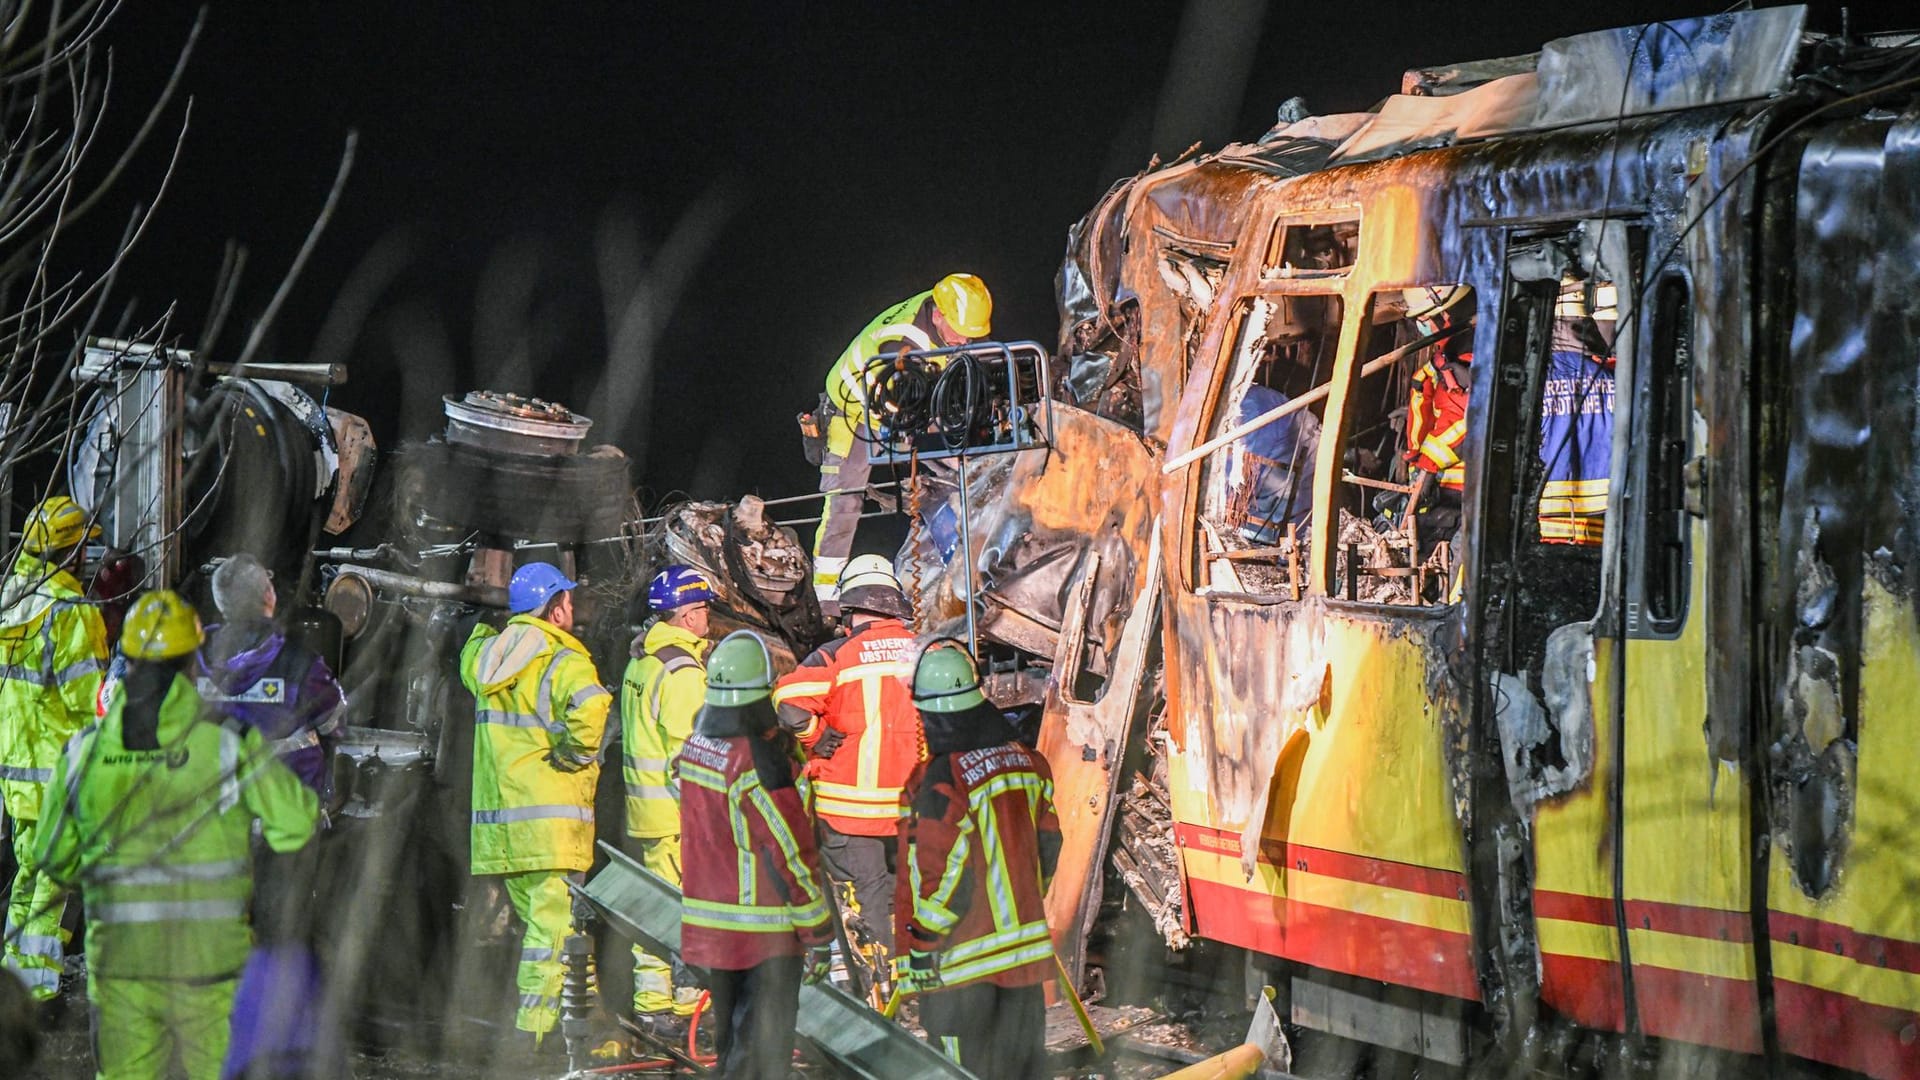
{"points": [[535, 956], [31, 776], [229, 770], [800, 689], [503, 718], [701, 776], [40, 945], [849, 800], [653, 791], [152, 911], [536, 1001], [997, 962], [30, 676], [719, 915], [586, 694], [305, 738], [169, 874], [645, 764], [37, 978], [533, 813]]}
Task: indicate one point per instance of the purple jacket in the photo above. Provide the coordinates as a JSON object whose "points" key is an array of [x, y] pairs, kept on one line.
{"points": [[250, 672]]}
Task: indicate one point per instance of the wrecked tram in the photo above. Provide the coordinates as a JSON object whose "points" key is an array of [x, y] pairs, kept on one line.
{"points": [[1547, 755]]}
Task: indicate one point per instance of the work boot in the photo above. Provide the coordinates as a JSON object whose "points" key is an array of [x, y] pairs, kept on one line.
{"points": [[662, 1027]]}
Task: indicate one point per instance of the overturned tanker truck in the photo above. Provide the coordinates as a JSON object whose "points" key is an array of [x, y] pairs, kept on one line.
{"points": [[1592, 741]]}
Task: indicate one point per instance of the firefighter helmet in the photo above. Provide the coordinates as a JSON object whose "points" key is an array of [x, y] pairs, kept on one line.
{"points": [[1428, 301], [868, 584], [57, 524], [676, 587], [945, 679], [161, 626], [533, 585], [739, 670], [966, 303]]}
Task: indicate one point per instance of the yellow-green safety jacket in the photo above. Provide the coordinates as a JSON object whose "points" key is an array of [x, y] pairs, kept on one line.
{"points": [[53, 651], [665, 685], [159, 840], [846, 386], [540, 716]]}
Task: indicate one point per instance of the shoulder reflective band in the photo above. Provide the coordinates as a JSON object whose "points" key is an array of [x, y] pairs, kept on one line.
{"points": [[152, 911], [564, 811]]}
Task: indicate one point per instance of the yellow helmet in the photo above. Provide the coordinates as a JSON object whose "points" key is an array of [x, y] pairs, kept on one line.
{"points": [[1427, 301], [57, 524], [161, 626], [966, 303]]}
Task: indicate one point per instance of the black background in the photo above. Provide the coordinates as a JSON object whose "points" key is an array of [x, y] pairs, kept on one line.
{"points": [[862, 151]]}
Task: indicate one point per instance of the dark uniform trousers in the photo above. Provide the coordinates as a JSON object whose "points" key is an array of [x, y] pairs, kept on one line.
{"points": [[994, 1031], [755, 1011], [867, 863]]}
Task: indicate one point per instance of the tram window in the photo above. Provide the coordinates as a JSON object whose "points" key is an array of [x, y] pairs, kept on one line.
{"points": [[1670, 412], [1256, 496], [1405, 429], [1312, 248]]}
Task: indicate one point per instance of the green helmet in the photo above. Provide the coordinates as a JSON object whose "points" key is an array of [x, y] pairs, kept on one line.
{"points": [[945, 680], [740, 670]]}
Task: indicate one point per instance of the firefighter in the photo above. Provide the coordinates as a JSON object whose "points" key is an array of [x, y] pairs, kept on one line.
{"points": [[252, 674], [53, 646], [150, 814], [849, 706], [754, 912], [957, 310], [541, 714], [1437, 406], [980, 844], [661, 694], [1576, 414]]}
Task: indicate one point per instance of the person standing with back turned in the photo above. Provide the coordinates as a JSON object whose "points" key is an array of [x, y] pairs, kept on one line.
{"points": [[754, 900], [53, 648], [665, 684], [541, 714], [981, 844]]}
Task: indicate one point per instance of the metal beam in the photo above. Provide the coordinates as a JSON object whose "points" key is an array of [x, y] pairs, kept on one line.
{"points": [[851, 1034]]}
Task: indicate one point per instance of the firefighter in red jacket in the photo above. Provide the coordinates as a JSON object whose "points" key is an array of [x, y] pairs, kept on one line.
{"points": [[849, 706], [980, 845], [753, 899]]}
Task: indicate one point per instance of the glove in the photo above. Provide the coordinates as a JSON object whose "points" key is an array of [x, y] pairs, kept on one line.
{"points": [[819, 964], [917, 972], [828, 743]]}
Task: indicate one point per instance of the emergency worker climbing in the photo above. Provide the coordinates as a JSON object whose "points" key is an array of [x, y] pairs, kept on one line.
{"points": [[53, 648], [1437, 409], [541, 714], [754, 901], [849, 706], [957, 310], [980, 845], [665, 684], [150, 815]]}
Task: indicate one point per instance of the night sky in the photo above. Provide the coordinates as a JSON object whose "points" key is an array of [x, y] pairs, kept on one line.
{"points": [[838, 157]]}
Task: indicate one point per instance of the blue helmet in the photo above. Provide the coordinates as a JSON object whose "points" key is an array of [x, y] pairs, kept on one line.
{"points": [[533, 585], [678, 586]]}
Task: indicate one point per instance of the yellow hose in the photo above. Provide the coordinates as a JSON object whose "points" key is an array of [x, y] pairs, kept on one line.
{"points": [[1236, 1064]]}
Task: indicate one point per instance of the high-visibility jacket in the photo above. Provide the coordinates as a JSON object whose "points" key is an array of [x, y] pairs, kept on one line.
{"points": [[1437, 415], [750, 878], [665, 685], [980, 846], [53, 650], [1576, 438], [540, 715], [157, 835], [858, 686], [906, 324]]}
